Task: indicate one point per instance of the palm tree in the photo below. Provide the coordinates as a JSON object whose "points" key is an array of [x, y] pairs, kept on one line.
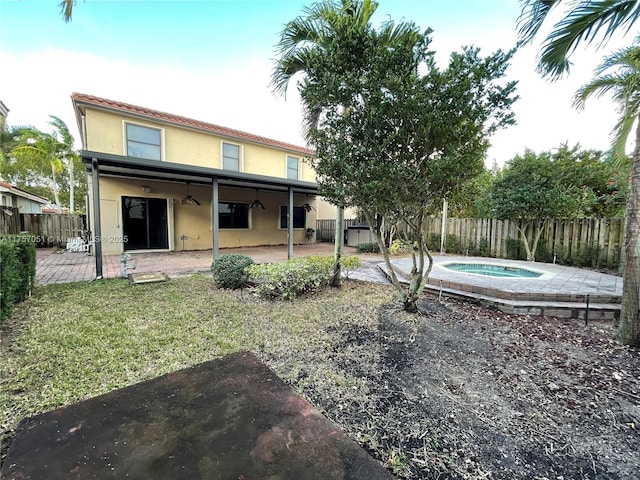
{"points": [[66, 153], [619, 75], [596, 21], [331, 23], [303, 38], [39, 151]]}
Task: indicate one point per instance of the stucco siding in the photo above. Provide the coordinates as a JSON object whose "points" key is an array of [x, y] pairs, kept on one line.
{"points": [[190, 226]]}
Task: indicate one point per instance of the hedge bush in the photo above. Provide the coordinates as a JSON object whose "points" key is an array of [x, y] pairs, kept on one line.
{"points": [[230, 271], [17, 271], [368, 248], [290, 279]]}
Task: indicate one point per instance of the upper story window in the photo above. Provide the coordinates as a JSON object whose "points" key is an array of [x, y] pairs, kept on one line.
{"points": [[292, 167], [143, 142], [231, 156]]}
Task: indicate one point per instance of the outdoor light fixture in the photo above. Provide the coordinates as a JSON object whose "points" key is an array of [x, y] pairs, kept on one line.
{"points": [[189, 200], [257, 203], [146, 189]]}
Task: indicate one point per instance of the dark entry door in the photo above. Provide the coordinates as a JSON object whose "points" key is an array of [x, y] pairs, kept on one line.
{"points": [[144, 222]]}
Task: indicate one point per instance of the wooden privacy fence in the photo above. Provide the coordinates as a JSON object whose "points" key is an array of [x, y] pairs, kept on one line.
{"points": [[564, 238], [47, 228], [569, 240], [9, 220]]}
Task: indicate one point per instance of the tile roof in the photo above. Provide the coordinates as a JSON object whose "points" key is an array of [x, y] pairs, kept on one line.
{"points": [[81, 98]]}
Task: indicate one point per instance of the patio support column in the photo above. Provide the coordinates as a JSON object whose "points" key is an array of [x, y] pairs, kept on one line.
{"points": [[97, 231], [215, 218], [290, 225]]}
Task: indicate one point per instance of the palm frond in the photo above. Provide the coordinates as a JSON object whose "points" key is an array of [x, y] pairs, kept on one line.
{"points": [[621, 132], [66, 9], [532, 17], [62, 130], [619, 75], [588, 21], [597, 87]]}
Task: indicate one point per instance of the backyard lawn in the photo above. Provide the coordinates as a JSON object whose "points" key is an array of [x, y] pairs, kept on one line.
{"points": [[458, 392]]}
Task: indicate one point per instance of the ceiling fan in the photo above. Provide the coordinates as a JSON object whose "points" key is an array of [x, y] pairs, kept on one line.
{"points": [[189, 199], [257, 203]]}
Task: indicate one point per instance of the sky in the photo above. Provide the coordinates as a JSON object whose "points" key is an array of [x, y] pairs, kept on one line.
{"points": [[211, 60]]}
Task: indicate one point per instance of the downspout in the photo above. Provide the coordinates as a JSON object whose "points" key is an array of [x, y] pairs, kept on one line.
{"points": [[215, 217], [290, 225], [97, 231]]}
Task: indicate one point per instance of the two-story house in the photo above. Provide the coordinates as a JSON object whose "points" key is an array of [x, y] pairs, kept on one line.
{"points": [[162, 182]]}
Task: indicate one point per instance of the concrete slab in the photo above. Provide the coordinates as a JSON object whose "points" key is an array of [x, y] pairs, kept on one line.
{"points": [[561, 291], [231, 418]]}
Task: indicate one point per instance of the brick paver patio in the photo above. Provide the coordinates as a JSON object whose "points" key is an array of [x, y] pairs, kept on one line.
{"points": [[65, 267]]}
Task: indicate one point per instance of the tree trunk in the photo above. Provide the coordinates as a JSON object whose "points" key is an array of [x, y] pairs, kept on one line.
{"points": [[629, 329], [336, 280], [385, 254], [418, 276], [72, 202], [55, 188]]}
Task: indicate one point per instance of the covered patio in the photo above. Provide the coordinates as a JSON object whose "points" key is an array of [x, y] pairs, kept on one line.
{"points": [[108, 167]]}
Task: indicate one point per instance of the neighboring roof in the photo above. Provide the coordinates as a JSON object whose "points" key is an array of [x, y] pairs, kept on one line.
{"points": [[7, 187], [3, 109], [83, 99]]}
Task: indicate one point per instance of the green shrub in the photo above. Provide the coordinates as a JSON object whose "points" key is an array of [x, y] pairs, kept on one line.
{"points": [[543, 254], [17, 271], [348, 263], [587, 256], [400, 247], [453, 244], [484, 250], [290, 279], [230, 271], [433, 242], [515, 249], [368, 248]]}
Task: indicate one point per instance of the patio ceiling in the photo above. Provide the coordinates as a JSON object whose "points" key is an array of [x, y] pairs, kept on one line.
{"points": [[133, 167]]}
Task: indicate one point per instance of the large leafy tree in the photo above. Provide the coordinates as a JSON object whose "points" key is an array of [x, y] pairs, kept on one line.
{"points": [[395, 133], [619, 75], [588, 21], [303, 40], [531, 190]]}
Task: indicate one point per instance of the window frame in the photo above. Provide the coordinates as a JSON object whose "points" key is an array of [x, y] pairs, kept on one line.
{"points": [[280, 227], [286, 167], [248, 227], [240, 156], [125, 136]]}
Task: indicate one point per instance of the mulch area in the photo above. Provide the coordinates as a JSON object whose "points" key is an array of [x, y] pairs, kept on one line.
{"points": [[464, 392]]}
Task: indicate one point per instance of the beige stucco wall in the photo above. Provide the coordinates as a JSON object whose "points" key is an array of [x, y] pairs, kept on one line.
{"points": [[194, 222], [105, 133], [327, 211]]}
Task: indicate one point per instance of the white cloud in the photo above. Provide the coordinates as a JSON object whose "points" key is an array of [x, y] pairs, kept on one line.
{"points": [[38, 84], [238, 98]]}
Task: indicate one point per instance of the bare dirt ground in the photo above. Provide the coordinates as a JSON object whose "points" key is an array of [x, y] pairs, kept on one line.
{"points": [[463, 392]]}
